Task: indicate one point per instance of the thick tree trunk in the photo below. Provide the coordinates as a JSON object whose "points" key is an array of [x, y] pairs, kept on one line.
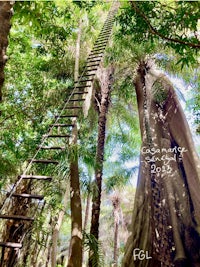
{"points": [[105, 78], [166, 216], [5, 16]]}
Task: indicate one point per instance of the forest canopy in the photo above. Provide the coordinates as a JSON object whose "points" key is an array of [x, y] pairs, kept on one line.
{"points": [[48, 45]]}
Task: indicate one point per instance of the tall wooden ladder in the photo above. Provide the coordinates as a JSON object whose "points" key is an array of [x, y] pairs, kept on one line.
{"points": [[17, 209]]}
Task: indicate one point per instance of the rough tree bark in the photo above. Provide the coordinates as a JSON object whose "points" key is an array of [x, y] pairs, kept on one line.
{"points": [[75, 249], [75, 253], [166, 216], [5, 16], [105, 79]]}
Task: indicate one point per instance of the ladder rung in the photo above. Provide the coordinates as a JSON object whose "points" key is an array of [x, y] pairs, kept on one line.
{"points": [[107, 26], [99, 46], [104, 32], [91, 70], [45, 161], [82, 81], [105, 35], [102, 39], [92, 56], [93, 60], [10, 245], [86, 75], [36, 177], [58, 136], [61, 125], [15, 217], [93, 65], [110, 16], [67, 116], [80, 93], [75, 107], [28, 196], [100, 43], [99, 49], [97, 54], [82, 86], [76, 100], [52, 147], [109, 22]]}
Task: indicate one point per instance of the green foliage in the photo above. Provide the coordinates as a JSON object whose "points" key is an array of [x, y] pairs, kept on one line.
{"points": [[91, 243], [39, 73], [87, 4], [151, 21]]}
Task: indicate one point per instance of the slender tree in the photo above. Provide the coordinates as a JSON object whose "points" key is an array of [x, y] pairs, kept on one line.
{"points": [[116, 212], [75, 250], [5, 16], [105, 78]]}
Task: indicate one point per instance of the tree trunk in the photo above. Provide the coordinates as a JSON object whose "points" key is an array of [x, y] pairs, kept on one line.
{"points": [[5, 16], [166, 216], [115, 253], [87, 210], [57, 229], [77, 52], [116, 213], [86, 219], [105, 78], [75, 249], [75, 254]]}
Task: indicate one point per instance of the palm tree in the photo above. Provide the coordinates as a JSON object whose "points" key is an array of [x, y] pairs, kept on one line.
{"points": [[105, 80]]}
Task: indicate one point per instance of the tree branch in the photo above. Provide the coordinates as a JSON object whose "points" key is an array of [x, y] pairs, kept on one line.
{"points": [[156, 32], [7, 118]]}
